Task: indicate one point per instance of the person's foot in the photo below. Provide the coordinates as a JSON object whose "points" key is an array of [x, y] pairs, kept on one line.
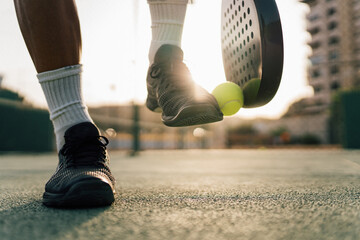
{"points": [[172, 91], [83, 177]]}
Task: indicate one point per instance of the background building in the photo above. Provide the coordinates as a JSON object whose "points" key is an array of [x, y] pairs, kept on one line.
{"points": [[333, 67], [334, 62]]}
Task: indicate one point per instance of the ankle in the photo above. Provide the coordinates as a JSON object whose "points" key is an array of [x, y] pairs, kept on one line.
{"points": [[167, 24]]}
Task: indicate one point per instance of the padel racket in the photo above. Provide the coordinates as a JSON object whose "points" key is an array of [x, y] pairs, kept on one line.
{"points": [[252, 48]]}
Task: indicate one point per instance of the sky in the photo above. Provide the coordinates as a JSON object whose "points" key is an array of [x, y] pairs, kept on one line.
{"points": [[115, 49]]}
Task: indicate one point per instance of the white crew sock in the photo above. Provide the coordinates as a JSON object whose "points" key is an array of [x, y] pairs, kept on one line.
{"points": [[167, 20], [62, 89]]}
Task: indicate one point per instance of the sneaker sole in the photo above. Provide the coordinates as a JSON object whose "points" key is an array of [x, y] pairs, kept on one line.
{"points": [[194, 115], [84, 194]]}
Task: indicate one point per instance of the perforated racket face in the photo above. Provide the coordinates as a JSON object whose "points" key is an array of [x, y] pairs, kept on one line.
{"points": [[250, 28], [241, 41]]}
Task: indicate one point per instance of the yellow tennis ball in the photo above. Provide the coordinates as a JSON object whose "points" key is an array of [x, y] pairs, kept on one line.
{"points": [[229, 97], [251, 90]]}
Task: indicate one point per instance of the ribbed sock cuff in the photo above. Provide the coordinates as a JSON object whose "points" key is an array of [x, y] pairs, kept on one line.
{"points": [[59, 73], [63, 93]]}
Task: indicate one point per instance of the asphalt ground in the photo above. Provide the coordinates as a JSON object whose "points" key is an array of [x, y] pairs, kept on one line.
{"points": [[200, 194]]}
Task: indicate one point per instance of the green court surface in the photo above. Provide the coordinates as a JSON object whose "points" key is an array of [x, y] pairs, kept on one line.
{"points": [[197, 194]]}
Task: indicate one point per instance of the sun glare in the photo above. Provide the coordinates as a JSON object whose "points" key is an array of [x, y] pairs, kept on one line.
{"points": [[115, 53]]}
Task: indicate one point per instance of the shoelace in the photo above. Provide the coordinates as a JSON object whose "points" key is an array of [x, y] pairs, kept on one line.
{"points": [[85, 152]]}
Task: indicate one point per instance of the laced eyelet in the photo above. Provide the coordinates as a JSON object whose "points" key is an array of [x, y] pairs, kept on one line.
{"points": [[155, 72], [82, 152], [104, 140]]}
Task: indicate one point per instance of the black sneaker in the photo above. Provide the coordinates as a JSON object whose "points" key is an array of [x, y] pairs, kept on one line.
{"points": [[82, 178], [172, 91]]}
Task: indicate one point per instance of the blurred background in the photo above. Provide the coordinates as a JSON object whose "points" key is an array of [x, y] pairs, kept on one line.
{"points": [[317, 103]]}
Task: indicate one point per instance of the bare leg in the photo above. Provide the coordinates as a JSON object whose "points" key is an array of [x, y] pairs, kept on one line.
{"points": [[51, 31]]}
